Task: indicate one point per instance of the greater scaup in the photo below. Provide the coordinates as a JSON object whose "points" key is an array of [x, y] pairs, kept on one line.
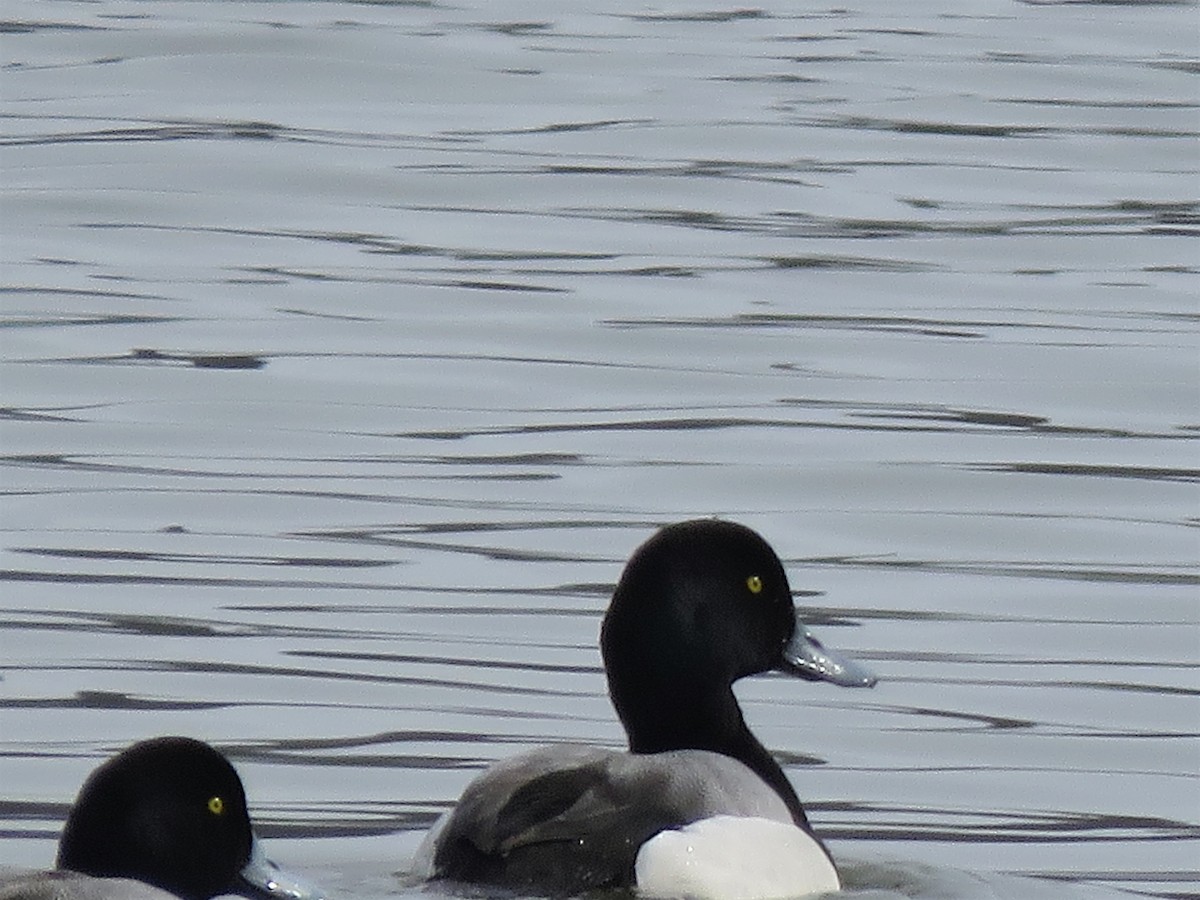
{"points": [[164, 819], [698, 606]]}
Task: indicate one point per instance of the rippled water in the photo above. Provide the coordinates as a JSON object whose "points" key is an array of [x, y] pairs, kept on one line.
{"points": [[350, 348]]}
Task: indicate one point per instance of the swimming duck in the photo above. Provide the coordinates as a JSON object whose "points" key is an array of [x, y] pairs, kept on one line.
{"points": [[165, 819], [690, 808]]}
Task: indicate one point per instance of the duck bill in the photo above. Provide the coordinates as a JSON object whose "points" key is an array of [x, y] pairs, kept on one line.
{"points": [[808, 658], [261, 878]]}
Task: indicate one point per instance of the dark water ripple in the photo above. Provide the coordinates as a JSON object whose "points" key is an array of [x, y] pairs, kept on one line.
{"points": [[197, 129]]}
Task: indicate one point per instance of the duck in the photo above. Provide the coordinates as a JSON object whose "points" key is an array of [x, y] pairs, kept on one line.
{"points": [[696, 807], [165, 819]]}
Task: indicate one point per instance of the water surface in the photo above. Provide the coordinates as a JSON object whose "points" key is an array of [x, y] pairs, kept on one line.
{"points": [[350, 348]]}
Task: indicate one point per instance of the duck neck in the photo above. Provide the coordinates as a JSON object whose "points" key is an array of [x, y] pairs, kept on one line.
{"points": [[712, 721]]}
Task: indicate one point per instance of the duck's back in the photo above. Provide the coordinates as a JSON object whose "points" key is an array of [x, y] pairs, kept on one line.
{"points": [[62, 885], [566, 819]]}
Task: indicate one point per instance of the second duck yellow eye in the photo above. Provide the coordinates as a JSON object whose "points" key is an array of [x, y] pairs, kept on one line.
{"points": [[216, 806], [755, 584]]}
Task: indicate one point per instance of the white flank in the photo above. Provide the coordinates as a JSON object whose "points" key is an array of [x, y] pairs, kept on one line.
{"points": [[734, 858]]}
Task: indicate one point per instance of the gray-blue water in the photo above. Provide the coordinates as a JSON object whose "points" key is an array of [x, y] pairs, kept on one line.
{"points": [[350, 348]]}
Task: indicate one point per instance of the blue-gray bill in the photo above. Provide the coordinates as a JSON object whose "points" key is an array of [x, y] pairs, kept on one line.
{"points": [[264, 879], [805, 656]]}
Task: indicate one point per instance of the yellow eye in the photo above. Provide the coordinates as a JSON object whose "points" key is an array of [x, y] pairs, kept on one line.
{"points": [[755, 584], [216, 806]]}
